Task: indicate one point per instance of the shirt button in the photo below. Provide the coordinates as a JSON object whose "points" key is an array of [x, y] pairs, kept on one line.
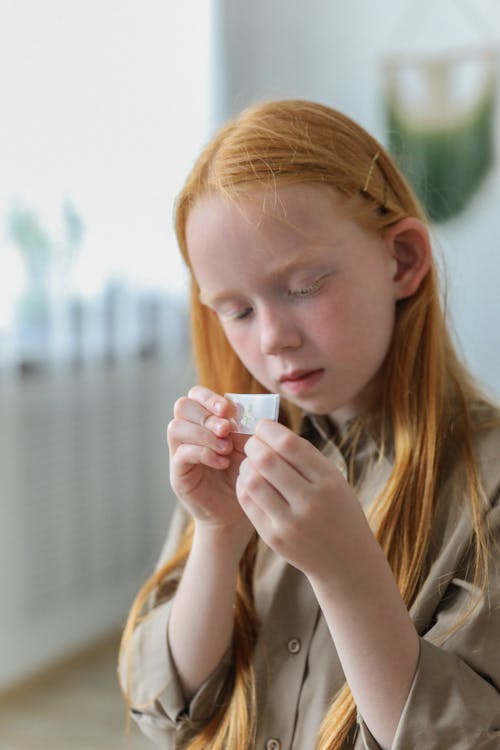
{"points": [[273, 744], [294, 645]]}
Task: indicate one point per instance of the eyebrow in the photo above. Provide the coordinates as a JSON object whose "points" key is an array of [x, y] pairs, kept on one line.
{"points": [[283, 269], [211, 299]]}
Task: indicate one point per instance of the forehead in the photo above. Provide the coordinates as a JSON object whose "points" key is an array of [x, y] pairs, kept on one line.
{"points": [[293, 213]]}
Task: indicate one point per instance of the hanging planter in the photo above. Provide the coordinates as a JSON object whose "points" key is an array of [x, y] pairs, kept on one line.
{"points": [[440, 114]]}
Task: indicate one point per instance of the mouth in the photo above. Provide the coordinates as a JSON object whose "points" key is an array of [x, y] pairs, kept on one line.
{"points": [[298, 381]]}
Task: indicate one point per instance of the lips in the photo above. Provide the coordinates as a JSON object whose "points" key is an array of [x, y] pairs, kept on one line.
{"points": [[300, 381], [296, 375]]}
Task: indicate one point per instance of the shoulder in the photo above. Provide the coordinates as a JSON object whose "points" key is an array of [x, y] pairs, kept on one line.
{"points": [[485, 422], [471, 446]]}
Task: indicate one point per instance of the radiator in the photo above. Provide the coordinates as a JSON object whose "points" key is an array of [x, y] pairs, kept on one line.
{"points": [[84, 500]]}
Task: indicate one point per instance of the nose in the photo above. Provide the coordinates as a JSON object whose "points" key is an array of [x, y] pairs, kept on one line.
{"points": [[278, 330]]}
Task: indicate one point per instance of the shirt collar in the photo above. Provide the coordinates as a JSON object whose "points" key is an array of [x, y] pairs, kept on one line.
{"points": [[355, 446]]}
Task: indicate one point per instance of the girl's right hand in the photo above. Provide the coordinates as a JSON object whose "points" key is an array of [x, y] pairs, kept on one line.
{"points": [[205, 460]]}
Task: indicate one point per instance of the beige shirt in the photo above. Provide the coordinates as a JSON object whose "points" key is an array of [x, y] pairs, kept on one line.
{"points": [[454, 700]]}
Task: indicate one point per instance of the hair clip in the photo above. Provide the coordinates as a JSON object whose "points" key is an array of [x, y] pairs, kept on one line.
{"points": [[370, 171]]}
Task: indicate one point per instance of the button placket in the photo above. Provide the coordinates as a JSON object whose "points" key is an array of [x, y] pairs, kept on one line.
{"points": [[273, 744]]}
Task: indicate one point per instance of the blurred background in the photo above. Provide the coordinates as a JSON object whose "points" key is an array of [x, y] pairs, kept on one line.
{"points": [[104, 105]]}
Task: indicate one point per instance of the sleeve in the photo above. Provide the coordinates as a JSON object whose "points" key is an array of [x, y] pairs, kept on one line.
{"points": [[454, 700], [147, 672]]}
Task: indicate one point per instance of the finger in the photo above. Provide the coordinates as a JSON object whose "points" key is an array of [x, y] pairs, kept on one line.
{"points": [[190, 410], [188, 455], [181, 432], [275, 470], [257, 517], [268, 527], [212, 401], [298, 452], [254, 488]]}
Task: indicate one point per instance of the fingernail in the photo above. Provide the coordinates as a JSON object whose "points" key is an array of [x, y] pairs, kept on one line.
{"points": [[219, 425]]}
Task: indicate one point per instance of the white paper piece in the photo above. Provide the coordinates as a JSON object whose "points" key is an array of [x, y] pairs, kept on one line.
{"points": [[250, 407]]}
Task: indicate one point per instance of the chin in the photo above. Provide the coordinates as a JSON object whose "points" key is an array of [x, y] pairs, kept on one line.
{"points": [[314, 405]]}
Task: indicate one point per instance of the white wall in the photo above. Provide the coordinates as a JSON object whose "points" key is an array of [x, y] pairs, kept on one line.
{"points": [[85, 501], [331, 51]]}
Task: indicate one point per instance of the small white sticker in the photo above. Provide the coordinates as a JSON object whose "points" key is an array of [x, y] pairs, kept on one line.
{"points": [[250, 407]]}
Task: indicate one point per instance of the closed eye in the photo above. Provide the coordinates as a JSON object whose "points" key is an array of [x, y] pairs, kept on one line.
{"points": [[242, 314], [308, 291], [227, 317]]}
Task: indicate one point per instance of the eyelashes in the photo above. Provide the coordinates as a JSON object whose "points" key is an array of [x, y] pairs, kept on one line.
{"points": [[304, 292], [307, 291], [237, 315], [241, 314]]}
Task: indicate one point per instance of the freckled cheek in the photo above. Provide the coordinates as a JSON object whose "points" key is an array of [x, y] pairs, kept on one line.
{"points": [[354, 325], [246, 345], [374, 332], [333, 320]]}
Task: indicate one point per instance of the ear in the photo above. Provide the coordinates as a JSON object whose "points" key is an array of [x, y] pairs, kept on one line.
{"points": [[409, 244]]}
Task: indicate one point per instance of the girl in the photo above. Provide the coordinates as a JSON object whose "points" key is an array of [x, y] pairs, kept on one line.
{"points": [[334, 580]]}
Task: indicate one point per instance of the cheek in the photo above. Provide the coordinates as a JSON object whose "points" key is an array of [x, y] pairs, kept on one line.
{"points": [[244, 343], [246, 347], [375, 326], [356, 324], [236, 338]]}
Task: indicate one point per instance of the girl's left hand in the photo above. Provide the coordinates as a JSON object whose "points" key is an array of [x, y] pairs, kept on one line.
{"points": [[301, 505], [304, 509]]}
